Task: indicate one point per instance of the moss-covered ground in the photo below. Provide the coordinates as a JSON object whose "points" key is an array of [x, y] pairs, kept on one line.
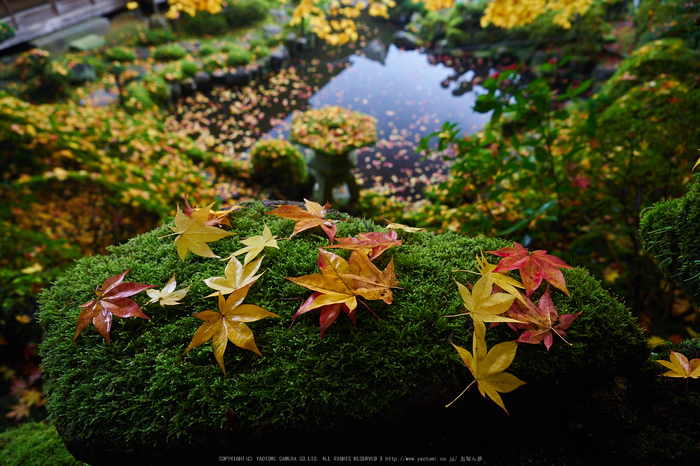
{"points": [[141, 396]]}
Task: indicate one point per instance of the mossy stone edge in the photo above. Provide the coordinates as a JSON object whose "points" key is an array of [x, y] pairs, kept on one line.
{"points": [[377, 385]]}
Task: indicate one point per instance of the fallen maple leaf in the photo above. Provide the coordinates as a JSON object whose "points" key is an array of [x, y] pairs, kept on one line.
{"points": [[400, 226], [168, 295], [194, 234], [313, 216], [112, 299], [503, 281], [482, 303], [533, 267], [487, 368], [681, 367], [236, 276], [255, 245], [228, 325], [215, 218], [538, 321], [339, 284], [372, 244]]}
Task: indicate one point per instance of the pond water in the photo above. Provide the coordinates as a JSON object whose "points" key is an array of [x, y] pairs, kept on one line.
{"points": [[410, 93]]}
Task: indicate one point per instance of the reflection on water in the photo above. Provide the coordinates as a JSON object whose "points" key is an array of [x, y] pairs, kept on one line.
{"points": [[409, 93]]}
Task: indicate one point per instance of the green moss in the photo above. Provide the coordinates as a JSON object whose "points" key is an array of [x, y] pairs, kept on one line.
{"points": [[168, 52], [142, 393], [670, 232], [34, 444]]}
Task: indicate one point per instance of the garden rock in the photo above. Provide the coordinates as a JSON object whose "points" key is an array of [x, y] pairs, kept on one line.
{"points": [[89, 42], [82, 73], [100, 98], [239, 77], [157, 21], [407, 40], [271, 30], [374, 386], [280, 15], [278, 57], [203, 80], [189, 86], [218, 77]]}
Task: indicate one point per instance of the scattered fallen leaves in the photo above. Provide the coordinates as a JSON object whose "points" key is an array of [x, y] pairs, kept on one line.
{"points": [[487, 368], [372, 244], [503, 281], [484, 305], [533, 267], [229, 325], [194, 233], [112, 299], [313, 216], [236, 276], [168, 295]]}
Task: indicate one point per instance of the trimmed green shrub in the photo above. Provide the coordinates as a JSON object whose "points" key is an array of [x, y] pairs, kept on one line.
{"points": [[241, 13], [154, 37], [213, 63], [120, 53], [203, 23], [34, 444], [670, 231], [137, 98], [206, 50], [140, 397], [238, 58], [279, 165], [157, 88], [168, 52], [31, 63], [189, 68]]}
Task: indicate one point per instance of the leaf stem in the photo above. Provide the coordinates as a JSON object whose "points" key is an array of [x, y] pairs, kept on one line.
{"points": [[448, 405]]}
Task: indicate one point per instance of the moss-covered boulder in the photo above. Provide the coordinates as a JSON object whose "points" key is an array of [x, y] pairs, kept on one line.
{"points": [[671, 232], [380, 386]]}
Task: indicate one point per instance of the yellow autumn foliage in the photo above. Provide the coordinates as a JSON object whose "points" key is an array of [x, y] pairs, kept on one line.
{"points": [[191, 7]]}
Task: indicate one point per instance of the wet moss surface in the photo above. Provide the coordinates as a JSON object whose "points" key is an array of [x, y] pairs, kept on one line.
{"points": [[377, 388]]}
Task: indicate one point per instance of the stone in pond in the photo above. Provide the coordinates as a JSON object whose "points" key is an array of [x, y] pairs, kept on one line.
{"points": [[89, 42]]}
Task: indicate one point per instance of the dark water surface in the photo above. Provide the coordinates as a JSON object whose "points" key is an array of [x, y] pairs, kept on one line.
{"points": [[410, 93]]}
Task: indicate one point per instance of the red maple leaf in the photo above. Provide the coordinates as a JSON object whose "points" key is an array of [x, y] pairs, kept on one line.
{"points": [[111, 300], [533, 267]]}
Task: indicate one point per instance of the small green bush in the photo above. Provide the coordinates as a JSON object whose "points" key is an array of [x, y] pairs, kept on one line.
{"points": [[238, 58], [154, 37], [279, 165], [168, 52], [189, 68], [203, 23], [157, 89], [241, 13], [137, 98], [120, 53], [213, 63], [206, 50]]}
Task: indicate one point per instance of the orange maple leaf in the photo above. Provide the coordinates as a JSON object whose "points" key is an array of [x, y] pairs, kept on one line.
{"points": [[314, 215], [372, 244]]}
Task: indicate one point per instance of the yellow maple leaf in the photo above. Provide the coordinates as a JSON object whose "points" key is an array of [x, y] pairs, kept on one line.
{"points": [[235, 276], [400, 226], [481, 303], [681, 367], [228, 325], [487, 367], [255, 245], [505, 282], [194, 234], [168, 295]]}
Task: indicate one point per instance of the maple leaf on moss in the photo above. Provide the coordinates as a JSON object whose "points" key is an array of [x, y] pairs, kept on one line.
{"points": [[314, 215], [229, 325], [215, 218], [487, 367], [112, 299], [539, 321], [235, 276], [406, 228], [681, 367], [503, 281], [255, 245], [372, 244], [194, 234], [481, 302], [168, 295], [533, 267], [339, 284]]}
